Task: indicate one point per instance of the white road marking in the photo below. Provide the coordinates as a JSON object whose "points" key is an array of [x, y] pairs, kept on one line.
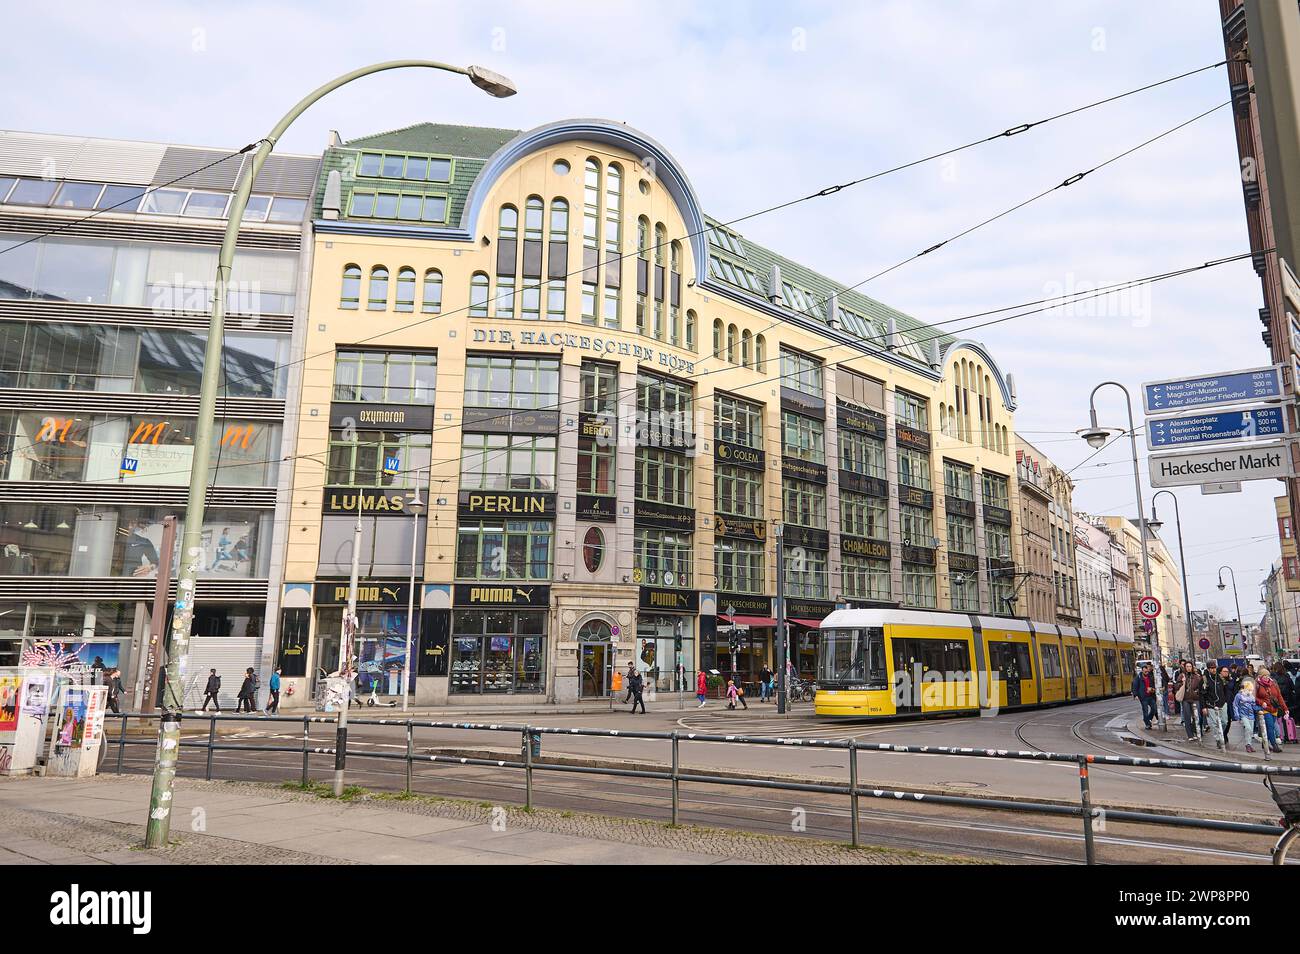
{"points": [[1141, 772], [1176, 775]]}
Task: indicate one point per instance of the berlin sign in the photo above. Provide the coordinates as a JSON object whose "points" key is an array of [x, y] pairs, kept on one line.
{"points": [[1247, 423], [1236, 462], [1208, 390]]}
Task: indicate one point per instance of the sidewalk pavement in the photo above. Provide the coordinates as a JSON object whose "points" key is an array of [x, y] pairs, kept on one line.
{"points": [[1176, 739], [101, 821]]}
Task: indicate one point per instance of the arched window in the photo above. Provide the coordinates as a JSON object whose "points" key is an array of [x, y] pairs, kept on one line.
{"points": [[661, 239], [350, 294], [746, 348], [676, 256], [593, 549], [378, 296], [613, 208], [405, 289], [534, 212], [478, 295], [760, 353], [508, 223], [717, 337], [432, 292], [595, 631], [559, 220], [691, 322], [731, 343], [643, 237]]}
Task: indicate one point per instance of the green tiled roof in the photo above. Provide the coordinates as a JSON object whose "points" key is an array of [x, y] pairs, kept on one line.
{"points": [[473, 142], [471, 146]]}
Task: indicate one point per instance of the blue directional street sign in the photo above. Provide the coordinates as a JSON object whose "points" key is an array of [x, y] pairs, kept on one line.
{"points": [[1232, 387], [1262, 421]]}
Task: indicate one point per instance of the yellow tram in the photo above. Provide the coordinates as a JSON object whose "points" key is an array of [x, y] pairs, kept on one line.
{"points": [[880, 663]]}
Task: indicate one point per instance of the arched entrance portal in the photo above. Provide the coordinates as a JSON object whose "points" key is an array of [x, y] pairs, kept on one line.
{"points": [[595, 658]]}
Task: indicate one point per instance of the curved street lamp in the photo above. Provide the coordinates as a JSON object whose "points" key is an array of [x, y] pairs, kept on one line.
{"points": [[169, 725], [1096, 436], [1155, 523]]}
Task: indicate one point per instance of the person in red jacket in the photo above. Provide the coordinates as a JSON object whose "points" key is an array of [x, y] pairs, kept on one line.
{"points": [[701, 687], [1269, 699]]}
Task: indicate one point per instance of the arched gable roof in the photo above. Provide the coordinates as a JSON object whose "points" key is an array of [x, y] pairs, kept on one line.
{"points": [[979, 350]]}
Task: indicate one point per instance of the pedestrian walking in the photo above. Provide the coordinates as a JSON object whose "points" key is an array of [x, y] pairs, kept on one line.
{"points": [[1244, 710], [701, 688], [631, 671], [1214, 703], [735, 694], [257, 687], [764, 683], [636, 686], [245, 696], [113, 679], [210, 691], [1269, 700], [1145, 691], [1187, 692], [273, 703]]}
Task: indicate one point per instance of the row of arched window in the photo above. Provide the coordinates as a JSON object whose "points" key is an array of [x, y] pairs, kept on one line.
{"points": [[739, 347], [404, 290]]}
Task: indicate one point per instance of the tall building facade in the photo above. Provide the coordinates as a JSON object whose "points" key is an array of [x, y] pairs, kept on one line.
{"points": [[1166, 586], [108, 252], [608, 403], [1036, 585], [1097, 590], [1060, 533]]}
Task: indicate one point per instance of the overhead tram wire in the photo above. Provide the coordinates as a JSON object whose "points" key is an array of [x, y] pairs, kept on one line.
{"points": [[1079, 296], [1057, 302], [717, 355]]}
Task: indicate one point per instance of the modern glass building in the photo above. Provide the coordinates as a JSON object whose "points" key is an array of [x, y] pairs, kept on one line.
{"points": [[108, 251], [607, 402]]}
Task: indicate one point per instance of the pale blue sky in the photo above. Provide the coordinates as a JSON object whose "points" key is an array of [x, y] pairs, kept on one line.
{"points": [[804, 95]]}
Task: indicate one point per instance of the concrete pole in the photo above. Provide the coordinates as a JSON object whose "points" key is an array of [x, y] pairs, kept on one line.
{"points": [[782, 650], [169, 726]]}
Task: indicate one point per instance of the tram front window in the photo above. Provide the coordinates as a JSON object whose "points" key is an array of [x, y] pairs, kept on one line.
{"points": [[852, 657]]}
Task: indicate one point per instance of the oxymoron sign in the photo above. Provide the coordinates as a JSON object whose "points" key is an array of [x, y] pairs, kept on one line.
{"points": [[1241, 462], [1231, 387], [1250, 423]]}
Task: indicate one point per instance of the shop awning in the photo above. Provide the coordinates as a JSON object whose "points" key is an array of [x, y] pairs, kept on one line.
{"points": [[810, 623], [757, 621]]}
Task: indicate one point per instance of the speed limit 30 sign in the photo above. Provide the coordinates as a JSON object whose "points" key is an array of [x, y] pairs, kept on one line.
{"points": [[1149, 607]]}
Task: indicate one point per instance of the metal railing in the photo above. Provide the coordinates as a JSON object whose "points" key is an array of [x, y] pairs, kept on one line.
{"points": [[672, 771]]}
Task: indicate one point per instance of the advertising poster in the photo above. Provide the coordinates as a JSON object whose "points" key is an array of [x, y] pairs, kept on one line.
{"points": [[70, 730], [36, 696], [229, 549], [10, 686], [73, 657]]}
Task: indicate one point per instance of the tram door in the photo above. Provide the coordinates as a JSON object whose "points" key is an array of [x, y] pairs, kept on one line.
{"points": [[1007, 662], [907, 668], [1074, 671]]}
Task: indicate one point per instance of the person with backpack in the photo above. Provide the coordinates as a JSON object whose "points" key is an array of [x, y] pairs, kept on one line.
{"points": [[1214, 703], [1269, 699], [210, 691], [635, 687], [273, 702], [246, 692], [1145, 690]]}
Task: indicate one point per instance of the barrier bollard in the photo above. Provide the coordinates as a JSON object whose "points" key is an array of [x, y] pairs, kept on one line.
{"points": [[677, 784], [1089, 849], [853, 788], [528, 766], [306, 740], [410, 753], [121, 746], [212, 740]]}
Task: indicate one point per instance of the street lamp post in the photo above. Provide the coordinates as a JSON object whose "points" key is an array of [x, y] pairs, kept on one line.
{"points": [[1096, 437], [1154, 523], [1241, 627], [415, 504], [169, 726]]}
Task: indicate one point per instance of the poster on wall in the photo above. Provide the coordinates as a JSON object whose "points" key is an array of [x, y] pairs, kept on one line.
{"points": [[70, 730], [36, 695], [228, 549], [10, 687], [73, 657]]}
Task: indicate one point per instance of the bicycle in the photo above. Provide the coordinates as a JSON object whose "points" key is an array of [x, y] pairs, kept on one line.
{"points": [[801, 690], [1286, 798]]}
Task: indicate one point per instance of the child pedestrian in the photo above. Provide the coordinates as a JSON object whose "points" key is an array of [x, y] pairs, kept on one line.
{"points": [[1244, 710]]}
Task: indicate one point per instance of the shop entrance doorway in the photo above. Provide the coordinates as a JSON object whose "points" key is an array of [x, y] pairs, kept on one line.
{"points": [[595, 659]]}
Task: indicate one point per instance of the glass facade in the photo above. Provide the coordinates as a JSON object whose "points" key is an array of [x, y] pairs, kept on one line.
{"points": [[498, 651]]}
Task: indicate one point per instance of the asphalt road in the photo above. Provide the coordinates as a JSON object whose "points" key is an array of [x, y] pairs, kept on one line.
{"points": [[1095, 727]]}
